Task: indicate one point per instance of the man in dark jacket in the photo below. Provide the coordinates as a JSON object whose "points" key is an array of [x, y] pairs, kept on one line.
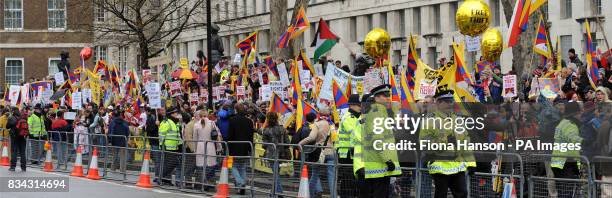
{"points": [[241, 128], [18, 142], [152, 130], [59, 127], [118, 133]]}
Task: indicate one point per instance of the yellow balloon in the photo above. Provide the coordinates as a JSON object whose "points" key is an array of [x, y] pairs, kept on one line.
{"points": [[473, 17], [491, 45], [377, 43]]}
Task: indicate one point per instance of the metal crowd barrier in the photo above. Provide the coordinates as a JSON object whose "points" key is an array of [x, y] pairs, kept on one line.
{"points": [[554, 185], [602, 176]]}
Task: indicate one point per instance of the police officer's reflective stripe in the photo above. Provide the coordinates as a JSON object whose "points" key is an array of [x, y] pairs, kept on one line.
{"points": [[344, 132], [445, 168], [380, 171]]}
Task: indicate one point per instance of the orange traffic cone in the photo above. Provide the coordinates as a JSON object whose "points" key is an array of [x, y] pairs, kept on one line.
{"points": [[92, 172], [223, 186], [77, 169], [145, 178], [48, 167], [304, 191], [5, 160]]}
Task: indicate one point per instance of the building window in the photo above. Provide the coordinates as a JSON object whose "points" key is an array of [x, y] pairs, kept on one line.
{"points": [[53, 62], [453, 10], [597, 6], [244, 7], [254, 3], [100, 14], [99, 53], [370, 22], [13, 14], [495, 12], [123, 54], [437, 20], [566, 44], [227, 9], [57, 14], [416, 20], [13, 73], [433, 56], [402, 23], [265, 5], [383, 20], [353, 29], [566, 9]]}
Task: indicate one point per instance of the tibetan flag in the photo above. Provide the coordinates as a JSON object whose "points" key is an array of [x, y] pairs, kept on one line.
{"points": [[412, 65], [35, 87], [406, 98], [462, 73], [340, 98], [272, 67], [541, 44], [591, 58], [303, 109], [535, 4], [305, 63], [514, 27], [297, 86], [525, 15], [278, 105], [300, 24], [481, 66], [101, 69], [248, 43], [349, 86], [395, 96], [324, 40]]}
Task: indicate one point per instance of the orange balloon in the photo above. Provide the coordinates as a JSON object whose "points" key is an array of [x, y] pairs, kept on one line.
{"points": [[86, 53]]}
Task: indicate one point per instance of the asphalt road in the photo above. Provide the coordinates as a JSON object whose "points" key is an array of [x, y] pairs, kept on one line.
{"points": [[82, 187]]}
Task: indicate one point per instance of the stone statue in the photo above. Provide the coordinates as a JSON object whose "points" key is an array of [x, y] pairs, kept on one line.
{"points": [[362, 63], [216, 46]]}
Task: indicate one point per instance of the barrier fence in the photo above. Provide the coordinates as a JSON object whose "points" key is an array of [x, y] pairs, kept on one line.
{"points": [[195, 167]]}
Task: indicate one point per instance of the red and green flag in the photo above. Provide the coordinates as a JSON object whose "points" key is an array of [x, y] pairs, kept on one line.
{"points": [[324, 40]]}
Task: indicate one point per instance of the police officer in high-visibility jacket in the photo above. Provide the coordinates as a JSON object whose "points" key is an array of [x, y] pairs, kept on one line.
{"points": [[171, 142], [447, 168], [567, 131], [344, 147], [38, 132], [379, 164]]}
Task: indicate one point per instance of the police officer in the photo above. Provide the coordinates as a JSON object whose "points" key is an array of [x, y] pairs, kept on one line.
{"points": [[38, 132], [171, 142], [348, 125], [447, 168], [379, 165]]}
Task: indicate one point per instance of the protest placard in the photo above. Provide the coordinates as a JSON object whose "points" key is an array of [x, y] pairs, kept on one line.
{"points": [[175, 89], [472, 43], [318, 69], [194, 98], [266, 93], [86, 95], [341, 77], [427, 89], [509, 86], [237, 58], [14, 94], [154, 94], [282, 72], [240, 93], [59, 78], [278, 88], [146, 76], [77, 100], [204, 95]]}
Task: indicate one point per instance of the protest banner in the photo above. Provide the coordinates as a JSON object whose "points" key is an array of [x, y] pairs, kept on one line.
{"points": [[25, 94], [221, 89], [154, 94], [146, 76], [184, 63], [427, 89], [278, 88], [509, 86], [372, 79], [175, 89], [86, 96], [204, 94], [14, 94], [237, 58], [194, 98], [266, 93], [77, 100], [341, 77], [282, 72], [472, 43], [216, 94], [59, 78], [240, 93]]}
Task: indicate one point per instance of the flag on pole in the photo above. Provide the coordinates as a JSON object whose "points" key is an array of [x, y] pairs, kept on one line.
{"points": [[248, 43], [514, 27], [591, 58], [525, 15], [541, 44], [305, 62], [395, 95], [278, 105], [412, 65], [296, 85], [324, 40], [340, 98], [406, 97], [462, 73], [303, 109], [535, 5], [299, 25]]}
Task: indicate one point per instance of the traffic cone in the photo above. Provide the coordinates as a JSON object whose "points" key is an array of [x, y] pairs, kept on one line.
{"points": [[223, 186], [48, 167], [5, 160], [304, 191], [92, 172], [77, 169], [145, 178]]}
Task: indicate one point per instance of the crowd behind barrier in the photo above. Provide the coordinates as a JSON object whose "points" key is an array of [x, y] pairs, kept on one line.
{"points": [[194, 172]]}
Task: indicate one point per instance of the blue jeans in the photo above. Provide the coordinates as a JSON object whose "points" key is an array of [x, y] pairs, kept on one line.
{"points": [[239, 171], [315, 180], [60, 149], [276, 172]]}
